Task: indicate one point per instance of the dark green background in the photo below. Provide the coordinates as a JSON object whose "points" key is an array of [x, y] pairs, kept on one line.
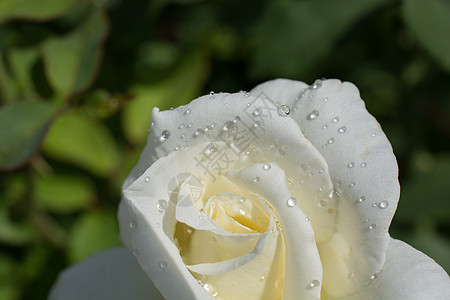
{"points": [[78, 80]]}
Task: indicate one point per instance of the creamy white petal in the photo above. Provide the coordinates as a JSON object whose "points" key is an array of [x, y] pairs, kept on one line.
{"points": [[407, 274], [303, 275], [363, 168], [108, 275]]}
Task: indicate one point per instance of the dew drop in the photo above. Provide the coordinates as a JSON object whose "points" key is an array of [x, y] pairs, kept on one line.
{"points": [[291, 202], [361, 199], [147, 179], [188, 111], [246, 94], [262, 278], [177, 148], [313, 115], [363, 165], [373, 134], [165, 135], [334, 193], [317, 84], [257, 123], [256, 179], [198, 132], [307, 219], [257, 112], [284, 110], [343, 129], [136, 252], [325, 99], [325, 126], [189, 125], [282, 150], [372, 226], [335, 120], [211, 289], [132, 224], [351, 165], [383, 204], [266, 167], [161, 205], [212, 95], [314, 283], [331, 141], [352, 184], [163, 264], [229, 125]]}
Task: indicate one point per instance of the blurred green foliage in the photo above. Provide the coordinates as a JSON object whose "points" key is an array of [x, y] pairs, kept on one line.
{"points": [[78, 80]]}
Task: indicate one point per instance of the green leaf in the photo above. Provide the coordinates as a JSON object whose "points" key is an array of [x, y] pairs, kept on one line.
{"points": [[76, 139], [92, 232], [63, 193], [15, 232], [23, 125], [429, 21], [305, 32], [71, 61], [33, 10], [21, 61], [181, 87], [426, 195]]}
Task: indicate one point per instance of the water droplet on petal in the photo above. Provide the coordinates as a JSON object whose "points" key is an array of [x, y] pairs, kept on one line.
{"points": [[307, 219], [317, 84], [282, 150], [211, 95], [331, 141], [335, 120], [334, 193], [229, 125], [211, 289], [373, 134], [372, 226], [383, 204], [198, 132], [325, 99], [361, 199], [263, 277], [352, 184], [266, 167], [284, 110], [165, 135], [314, 283], [161, 205], [163, 264], [188, 111], [189, 125], [181, 126], [256, 179], [342, 129], [363, 165], [351, 165], [246, 94], [136, 252], [257, 112], [147, 179], [291, 202], [132, 224], [313, 115]]}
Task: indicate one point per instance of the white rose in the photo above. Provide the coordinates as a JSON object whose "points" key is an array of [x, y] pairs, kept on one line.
{"points": [[286, 192]]}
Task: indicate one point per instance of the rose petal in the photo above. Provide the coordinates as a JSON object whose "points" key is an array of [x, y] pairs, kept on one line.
{"points": [[333, 118], [407, 274], [111, 274], [303, 273]]}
